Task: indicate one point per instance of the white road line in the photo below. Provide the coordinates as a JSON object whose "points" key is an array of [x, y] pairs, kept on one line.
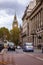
{"points": [[35, 57], [39, 58], [29, 54]]}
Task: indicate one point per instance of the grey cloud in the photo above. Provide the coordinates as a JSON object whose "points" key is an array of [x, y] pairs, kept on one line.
{"points": [[11, 7]]}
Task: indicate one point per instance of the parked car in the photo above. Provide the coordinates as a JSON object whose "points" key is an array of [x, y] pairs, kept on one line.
{"points": [[11, 46], [1, 46], [28, 47], [18, 47]]}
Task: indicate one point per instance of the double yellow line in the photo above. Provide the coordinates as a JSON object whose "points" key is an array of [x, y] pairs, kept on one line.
{"points": [[3, 62]]}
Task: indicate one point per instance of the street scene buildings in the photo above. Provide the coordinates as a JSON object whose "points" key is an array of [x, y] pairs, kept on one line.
{"points": [[23, 43], [33, 23]]}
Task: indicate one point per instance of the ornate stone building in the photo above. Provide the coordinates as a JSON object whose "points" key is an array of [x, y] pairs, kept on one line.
{"points": [[25, 33], [36, 22]]}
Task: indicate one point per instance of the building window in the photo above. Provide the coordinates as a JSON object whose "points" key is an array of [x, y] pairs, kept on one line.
{"points": [[32, 23], [41, 18], [37, 21]]}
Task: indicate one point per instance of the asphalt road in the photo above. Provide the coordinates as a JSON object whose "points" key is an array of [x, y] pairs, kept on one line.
{"points": [[29, 58], [21, 58]]}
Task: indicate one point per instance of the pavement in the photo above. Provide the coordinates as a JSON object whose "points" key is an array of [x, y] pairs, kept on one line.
{"points": [[38, 50], [5, 58]]}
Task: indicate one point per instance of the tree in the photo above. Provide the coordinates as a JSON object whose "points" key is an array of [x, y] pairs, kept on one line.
{"points": [[15, 35], [1, 34], [5, 34]]}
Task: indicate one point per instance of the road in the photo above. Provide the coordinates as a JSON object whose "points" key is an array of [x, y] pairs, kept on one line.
{"points": [[22, 58]]}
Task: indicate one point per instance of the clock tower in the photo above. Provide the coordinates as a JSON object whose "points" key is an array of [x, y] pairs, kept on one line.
{"points": [[15, 22]]}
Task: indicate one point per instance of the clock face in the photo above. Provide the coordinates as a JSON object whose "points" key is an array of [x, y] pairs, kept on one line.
{"points": [[15, 25]]}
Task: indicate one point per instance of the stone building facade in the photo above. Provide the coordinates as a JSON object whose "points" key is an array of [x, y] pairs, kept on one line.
{"points": [[25, 33], [36, 22]]}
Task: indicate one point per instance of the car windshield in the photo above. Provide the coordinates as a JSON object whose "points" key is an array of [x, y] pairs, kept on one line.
{"points": [[10, 43], [29, 44]]}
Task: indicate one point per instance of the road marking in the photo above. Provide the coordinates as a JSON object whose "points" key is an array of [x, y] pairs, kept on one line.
{"points": [[35, 57], [39, 58], [3, 62], [31, 55], [28, 54]]}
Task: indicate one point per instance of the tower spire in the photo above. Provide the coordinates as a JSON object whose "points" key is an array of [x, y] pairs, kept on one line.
{"points": [[15, 22], [15, 18]]}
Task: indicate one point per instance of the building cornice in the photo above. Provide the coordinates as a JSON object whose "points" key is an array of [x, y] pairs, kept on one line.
{"points": [[25, 12], [23, 16], [34, 9]]}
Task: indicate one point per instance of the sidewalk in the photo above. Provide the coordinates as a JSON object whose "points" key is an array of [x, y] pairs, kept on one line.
{"points": [[6, 59], [36, 50]]}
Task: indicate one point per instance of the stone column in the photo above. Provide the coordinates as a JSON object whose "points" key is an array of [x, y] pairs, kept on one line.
{"points": [[42, 17]]}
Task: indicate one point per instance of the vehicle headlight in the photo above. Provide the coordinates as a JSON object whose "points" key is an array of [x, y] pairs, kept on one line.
{"points": [[27, 47]]}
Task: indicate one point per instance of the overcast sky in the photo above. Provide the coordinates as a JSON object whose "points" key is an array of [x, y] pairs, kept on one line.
{"points": [[8, 9]]}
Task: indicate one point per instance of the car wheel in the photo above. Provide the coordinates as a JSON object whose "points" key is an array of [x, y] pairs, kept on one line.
{"points": [[32, 50], [14, 49]]}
